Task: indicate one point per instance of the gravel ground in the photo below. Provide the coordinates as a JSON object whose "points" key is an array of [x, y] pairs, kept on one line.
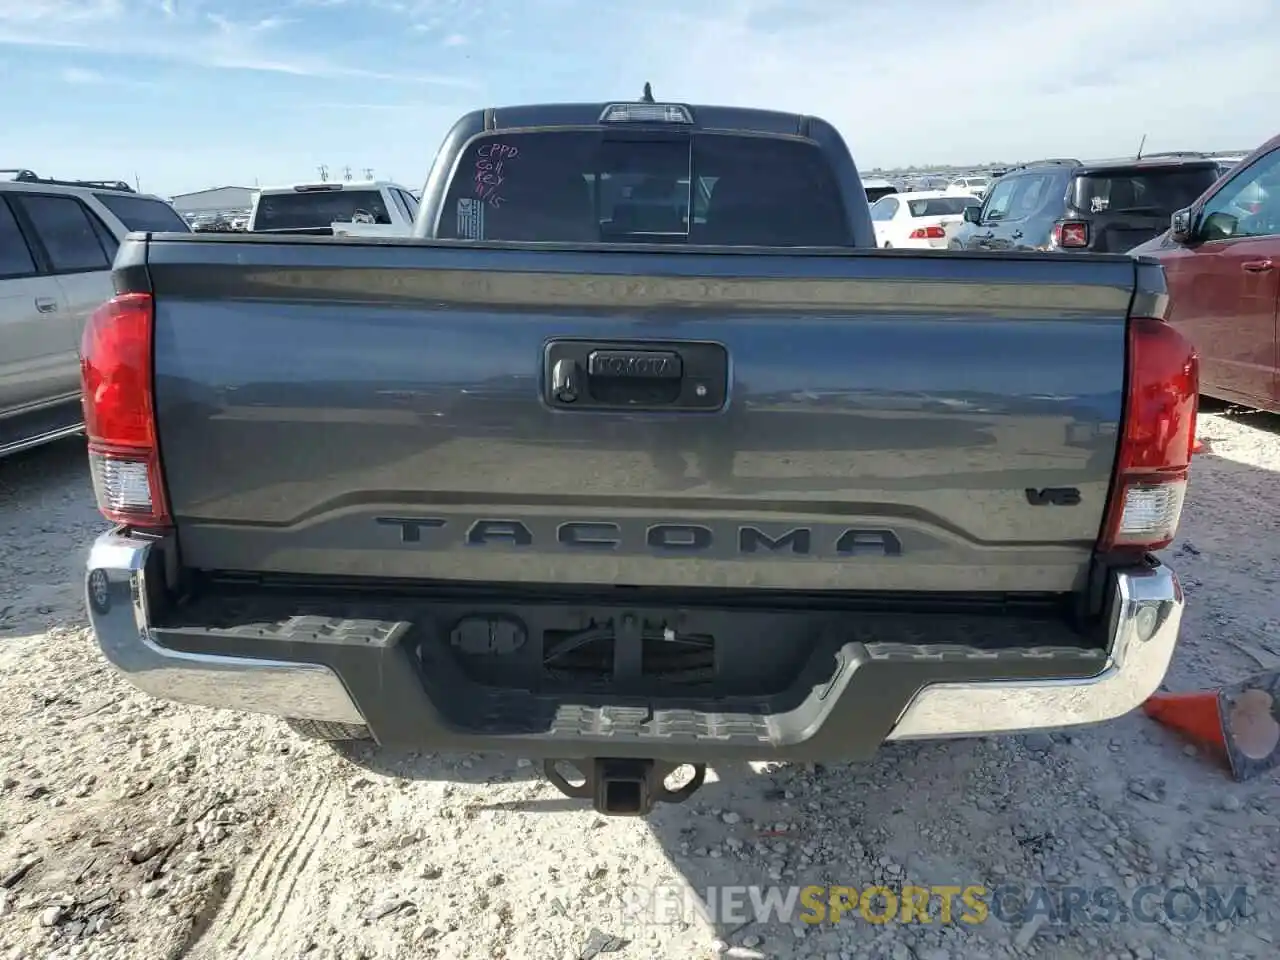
{"points": [[131, 828]]}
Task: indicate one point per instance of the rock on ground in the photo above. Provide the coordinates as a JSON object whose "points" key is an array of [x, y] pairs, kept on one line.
{"points": [[135, 829]]}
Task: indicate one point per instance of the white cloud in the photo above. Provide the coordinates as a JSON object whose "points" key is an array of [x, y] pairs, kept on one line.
{"points": [[53, 24], [905, 81], [986, 79], [59, 11], [183, 33], [327, 105], [908, 81], [78, 75], [231, 28]]}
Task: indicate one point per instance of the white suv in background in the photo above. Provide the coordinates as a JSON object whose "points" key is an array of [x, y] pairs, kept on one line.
{"points": [[57, 241]]}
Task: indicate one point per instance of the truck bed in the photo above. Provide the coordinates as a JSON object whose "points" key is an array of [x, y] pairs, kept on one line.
{"points": [[894, 422]]}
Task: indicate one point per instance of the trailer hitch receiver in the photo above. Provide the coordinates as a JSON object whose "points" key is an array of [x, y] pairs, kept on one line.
{"points": [[624, 788]]}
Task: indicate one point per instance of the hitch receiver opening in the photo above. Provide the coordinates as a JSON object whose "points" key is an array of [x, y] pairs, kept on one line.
{"points": [[624, 788]]}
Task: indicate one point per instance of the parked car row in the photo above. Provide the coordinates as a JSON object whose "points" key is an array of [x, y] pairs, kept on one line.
{"points": [[1107, 206], [966, 185], [223, 222]]}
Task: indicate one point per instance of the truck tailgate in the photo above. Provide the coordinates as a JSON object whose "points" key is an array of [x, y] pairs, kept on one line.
{"points": [[897, 422]]}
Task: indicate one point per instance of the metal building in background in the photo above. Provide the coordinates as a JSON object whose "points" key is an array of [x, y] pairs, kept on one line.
{"points": [[214, 200]]}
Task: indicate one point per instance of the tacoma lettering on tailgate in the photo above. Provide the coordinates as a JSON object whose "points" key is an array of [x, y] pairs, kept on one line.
{"points": [[642, 536]]}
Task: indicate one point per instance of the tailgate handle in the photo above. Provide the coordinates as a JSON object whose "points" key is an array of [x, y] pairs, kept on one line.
{"points": [[582, 374]]}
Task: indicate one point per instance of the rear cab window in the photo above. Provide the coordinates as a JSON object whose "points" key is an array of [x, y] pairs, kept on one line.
{"points": [[142, 214], [1151, 191], [314, 208], [592, 186]]}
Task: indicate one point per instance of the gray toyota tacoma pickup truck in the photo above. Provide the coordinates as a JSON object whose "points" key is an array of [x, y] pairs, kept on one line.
{"points": [[640, 457]]}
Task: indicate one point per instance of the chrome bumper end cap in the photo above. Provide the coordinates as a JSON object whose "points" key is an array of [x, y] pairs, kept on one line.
{"points": [[1145, 616], [116, 597]]}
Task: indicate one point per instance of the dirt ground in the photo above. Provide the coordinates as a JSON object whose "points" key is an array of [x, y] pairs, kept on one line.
{"points": [[131, 828]]}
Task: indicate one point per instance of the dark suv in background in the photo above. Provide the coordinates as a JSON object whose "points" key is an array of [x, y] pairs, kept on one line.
{"points": [[1109, 206]]}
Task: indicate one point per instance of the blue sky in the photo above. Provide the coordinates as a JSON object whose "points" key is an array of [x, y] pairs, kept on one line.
{"points": [[195, 93]]}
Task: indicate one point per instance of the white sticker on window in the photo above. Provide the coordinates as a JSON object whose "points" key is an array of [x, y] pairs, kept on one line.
{"points": [[470, 218]]}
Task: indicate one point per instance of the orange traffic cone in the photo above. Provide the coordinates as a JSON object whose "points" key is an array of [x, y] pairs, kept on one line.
{"points": [[1197, 446], [1238, 723]]}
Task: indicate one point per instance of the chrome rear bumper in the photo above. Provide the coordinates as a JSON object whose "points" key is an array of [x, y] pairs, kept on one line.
{"points": [[1145, 614]]}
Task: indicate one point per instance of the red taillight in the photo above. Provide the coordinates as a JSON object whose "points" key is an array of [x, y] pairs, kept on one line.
{"points": [[928, 233], [1157, 438], [1071, 233], [119, 411]]}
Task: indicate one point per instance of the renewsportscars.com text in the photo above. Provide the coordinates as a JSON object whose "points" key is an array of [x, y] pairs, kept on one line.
{"points": [[1009, 903]]}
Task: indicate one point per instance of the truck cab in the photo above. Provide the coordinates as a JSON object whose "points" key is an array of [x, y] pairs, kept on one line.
{"points": [[647, 173]]}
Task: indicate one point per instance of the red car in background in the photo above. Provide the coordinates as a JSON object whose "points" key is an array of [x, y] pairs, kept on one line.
{"points": [[1221, 256]]}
